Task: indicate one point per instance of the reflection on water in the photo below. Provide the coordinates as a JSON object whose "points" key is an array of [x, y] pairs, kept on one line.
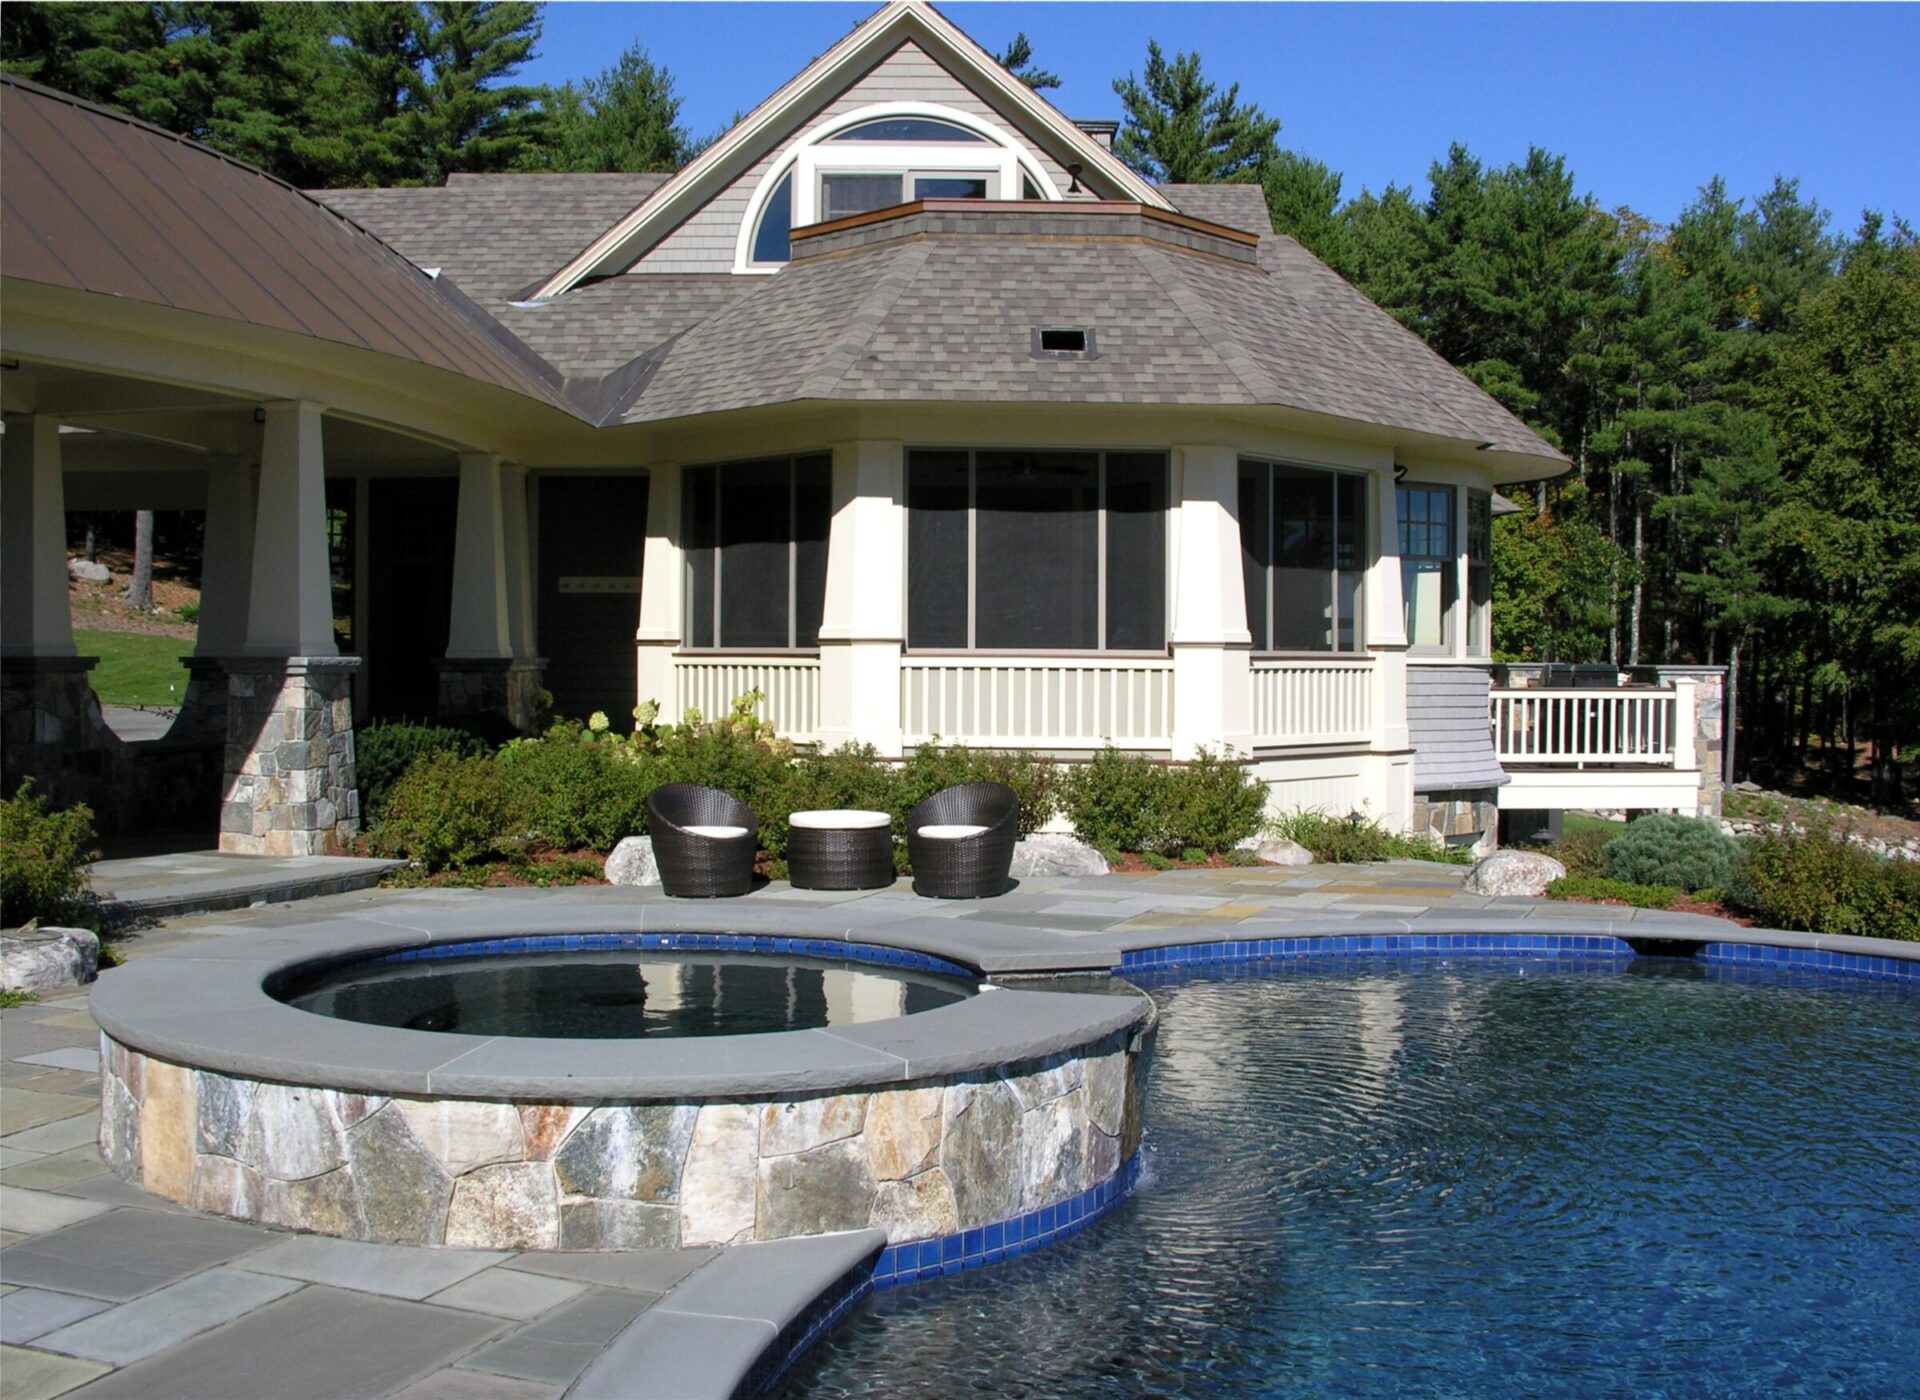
{"points": [[1476, 1178], [622, 995]]}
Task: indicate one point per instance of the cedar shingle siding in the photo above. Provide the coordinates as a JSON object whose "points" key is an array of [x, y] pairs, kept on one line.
{"points": [[1447, 726]]}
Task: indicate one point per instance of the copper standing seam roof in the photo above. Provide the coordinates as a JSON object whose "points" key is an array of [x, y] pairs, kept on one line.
{"points": [[102, 202]]}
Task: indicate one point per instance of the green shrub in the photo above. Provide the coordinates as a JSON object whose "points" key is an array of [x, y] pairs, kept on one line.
{"points": [[1035, 781], [1811, 881], [565, 792], [446, 812], [1584, 852], [1118, 801], [385, 749], [1687, 853], [1625, 891], [852, 777], [188, 612], [738, 755], [1344, 841], [43, 860], [1211, 803]]}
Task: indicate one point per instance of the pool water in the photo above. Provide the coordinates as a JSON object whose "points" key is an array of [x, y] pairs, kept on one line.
{"points": [[621, 995], [1471, 1177]]}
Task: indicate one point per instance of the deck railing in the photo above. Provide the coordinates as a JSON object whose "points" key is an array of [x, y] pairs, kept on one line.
{"points": [[710, 684], [1576, 728], [1041, 703], [1312, 702]]}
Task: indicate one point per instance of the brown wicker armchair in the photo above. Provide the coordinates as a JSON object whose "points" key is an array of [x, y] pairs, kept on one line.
{"points": [[960, 841], [703, 840]]}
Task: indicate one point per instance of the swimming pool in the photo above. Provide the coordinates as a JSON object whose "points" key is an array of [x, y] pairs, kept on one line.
{"points": [[1472, 1176]]}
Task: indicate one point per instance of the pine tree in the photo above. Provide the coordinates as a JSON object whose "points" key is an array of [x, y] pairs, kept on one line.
{"points": [[625, 119], [1180, 129], [1017, 59], [1303, 197]]}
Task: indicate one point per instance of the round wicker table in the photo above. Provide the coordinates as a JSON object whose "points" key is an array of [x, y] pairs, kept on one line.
{"points": [[840, 850]]}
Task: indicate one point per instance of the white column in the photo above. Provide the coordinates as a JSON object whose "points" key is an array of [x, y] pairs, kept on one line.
{"points": [[226, 570], [863, 624], [1686, 719], [34, 616], [290, 603], [478, 627], [662, 582], [1386, 620], [519, 560], [1212, 678]]}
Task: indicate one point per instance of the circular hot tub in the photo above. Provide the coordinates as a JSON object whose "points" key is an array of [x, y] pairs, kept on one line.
{"points": [[548, 1088]]}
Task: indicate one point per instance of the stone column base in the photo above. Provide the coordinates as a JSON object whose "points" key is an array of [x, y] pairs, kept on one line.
{"points": [[289, 787], [489, 687], [203, 710], [1449, 817], [51, 730]]}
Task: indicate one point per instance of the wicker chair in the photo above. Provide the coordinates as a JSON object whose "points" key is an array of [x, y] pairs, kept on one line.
{"points": [[703, 840], [961, 841]]}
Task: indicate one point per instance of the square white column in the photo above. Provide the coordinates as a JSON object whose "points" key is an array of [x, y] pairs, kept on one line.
{"points": [[863, 621], [1386, 624], [662, 585], [478, 626], [34, 616], [1212, 648], [226, 569], [290, 600]]}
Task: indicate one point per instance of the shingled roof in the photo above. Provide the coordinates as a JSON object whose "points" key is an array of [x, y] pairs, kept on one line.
{"points": [[97, 201]]}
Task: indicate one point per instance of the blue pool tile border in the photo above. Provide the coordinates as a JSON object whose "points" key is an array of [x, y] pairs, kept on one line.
{"points": [[836, 949], [919, 1260], [1361, 945], [1766, 955]]}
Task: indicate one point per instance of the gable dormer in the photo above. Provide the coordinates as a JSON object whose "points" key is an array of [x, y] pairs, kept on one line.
{"points": [[905, 107]]}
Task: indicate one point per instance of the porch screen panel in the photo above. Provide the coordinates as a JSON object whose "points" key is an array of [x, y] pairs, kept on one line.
{"points": [[1256, 552], [812, 519], [1136, 551], [1479, 569], [699, 534], [937, 549], [1036, 551], [1349, 558], [1302, 560]]}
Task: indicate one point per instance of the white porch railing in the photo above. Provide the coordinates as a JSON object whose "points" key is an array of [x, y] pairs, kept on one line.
{"points": [[1050, 703], [1575, 728], [710, 684], [1312, 702]]}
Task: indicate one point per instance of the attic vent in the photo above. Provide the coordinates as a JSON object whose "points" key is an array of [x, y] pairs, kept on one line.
{"points": [[1063, 343]]}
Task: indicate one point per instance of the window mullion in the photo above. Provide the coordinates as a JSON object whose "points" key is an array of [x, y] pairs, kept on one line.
{"points": [[973, 492], [1273, 558], [1100, 583]]}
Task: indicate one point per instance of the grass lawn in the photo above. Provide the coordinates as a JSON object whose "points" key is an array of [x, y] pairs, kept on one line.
{"points": [[1576, 822], [135, 669]]}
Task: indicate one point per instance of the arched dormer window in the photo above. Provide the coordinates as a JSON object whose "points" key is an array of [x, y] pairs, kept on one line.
{"points": [[878, 157]]}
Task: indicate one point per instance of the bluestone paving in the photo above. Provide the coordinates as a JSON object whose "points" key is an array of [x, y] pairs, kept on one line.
{"points": [[112, 1191], [675, 1357], [50, 1173], [562, 1344], [41, 1375], [168, 1316], [86, 1057], [395, 1271], [37, 1212], [317, 1344], [636, 1270], [126, 1253], [24, 1109], [458, 1383], [27, 1313], [508, 1293]]}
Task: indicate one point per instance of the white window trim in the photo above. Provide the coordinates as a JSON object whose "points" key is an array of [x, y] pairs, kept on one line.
{"points": [[1006, 157], [1455, 647]]}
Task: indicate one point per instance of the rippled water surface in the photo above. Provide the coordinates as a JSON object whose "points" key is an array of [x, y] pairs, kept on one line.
{"points": [[1472, 1178]]}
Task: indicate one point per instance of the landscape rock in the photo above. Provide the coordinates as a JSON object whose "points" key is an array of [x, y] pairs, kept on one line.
{"points": [[903, 1132], [920, 1208], [717, 1187], [289, 1133], [800, 1125], [1051, 1141], [632, 863], [87, 572], [1282, 852], [1524, 873], [979, 1149], [814, 1192], [1039, 856], [48, 959], [403, 1189], [464, 1135], [627, 1150], [510, 1205]]}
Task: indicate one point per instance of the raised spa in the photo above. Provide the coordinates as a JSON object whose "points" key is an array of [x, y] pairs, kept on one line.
{"points": [[617, 995]]}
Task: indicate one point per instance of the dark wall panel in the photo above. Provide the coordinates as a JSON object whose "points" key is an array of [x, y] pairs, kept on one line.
{"points": [[592, 538]]}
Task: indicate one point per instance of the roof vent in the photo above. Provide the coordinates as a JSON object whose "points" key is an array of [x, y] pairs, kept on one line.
{"points": [[1063, 343]]}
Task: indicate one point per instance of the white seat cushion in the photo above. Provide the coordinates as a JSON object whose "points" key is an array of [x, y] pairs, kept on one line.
{"points": [[720, 833], [843, 819], [949, 833]]}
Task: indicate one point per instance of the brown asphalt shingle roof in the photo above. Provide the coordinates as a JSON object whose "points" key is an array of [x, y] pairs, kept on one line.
{"points": [[99, 202]]}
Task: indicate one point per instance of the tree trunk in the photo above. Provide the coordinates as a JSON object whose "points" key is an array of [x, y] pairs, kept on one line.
{"points": [[93, 540], [139, 592], [1639, 576], [1730, 714]]}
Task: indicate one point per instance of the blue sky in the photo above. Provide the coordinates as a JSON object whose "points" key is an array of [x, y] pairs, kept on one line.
{"points": [[1646, 101]]}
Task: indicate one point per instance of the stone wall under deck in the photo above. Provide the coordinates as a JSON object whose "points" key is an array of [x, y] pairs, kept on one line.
{"points": [[919, 1160]]}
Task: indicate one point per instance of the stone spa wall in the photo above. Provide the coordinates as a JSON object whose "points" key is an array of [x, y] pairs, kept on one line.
{"points": [[919, 1160]]}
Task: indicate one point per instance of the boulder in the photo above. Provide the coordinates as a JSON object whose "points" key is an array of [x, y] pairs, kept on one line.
{"points": [[1514, 873], [88, 573], [1282, 852], [1038, 856], [48, 959], [632, 863]]}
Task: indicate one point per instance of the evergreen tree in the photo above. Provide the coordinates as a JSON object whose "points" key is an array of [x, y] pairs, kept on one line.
{"points": [[1385, 238], [625, 119], [1303, 197], [1017, 59], [464, 116], [1180, 129]]}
